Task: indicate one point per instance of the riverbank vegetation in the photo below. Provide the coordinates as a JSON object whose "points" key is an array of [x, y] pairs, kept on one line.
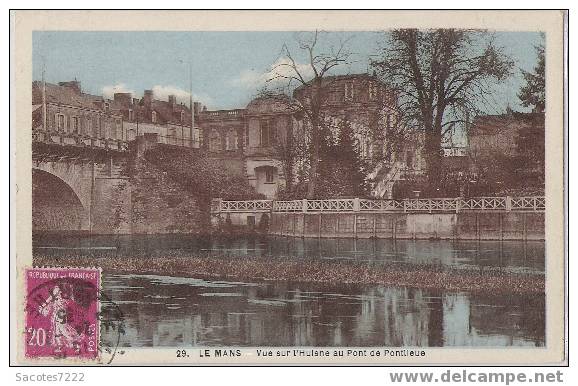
{"points": [[202, 175], [486, 280]]}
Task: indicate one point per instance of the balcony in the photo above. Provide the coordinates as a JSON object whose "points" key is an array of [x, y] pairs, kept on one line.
{"points": [[222, 114]]}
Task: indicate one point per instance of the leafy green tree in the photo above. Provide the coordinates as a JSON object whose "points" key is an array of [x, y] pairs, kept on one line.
{"points": [[341, 169], [352, 169], [533, 93]]}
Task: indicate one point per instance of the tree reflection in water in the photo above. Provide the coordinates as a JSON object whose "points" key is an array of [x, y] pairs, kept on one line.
{"points": [[164, 311]]}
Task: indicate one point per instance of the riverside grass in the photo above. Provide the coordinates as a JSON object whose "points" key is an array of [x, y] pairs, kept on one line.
{"points": [[483, 280]]}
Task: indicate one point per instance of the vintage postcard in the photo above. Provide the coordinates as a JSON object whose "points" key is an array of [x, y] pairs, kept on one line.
{"points": [[288, 187]]}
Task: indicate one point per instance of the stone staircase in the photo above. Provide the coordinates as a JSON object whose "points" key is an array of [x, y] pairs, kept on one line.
{"points": [[385, 176]]}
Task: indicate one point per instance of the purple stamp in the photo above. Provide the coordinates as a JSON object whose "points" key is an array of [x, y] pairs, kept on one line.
{"points": [[62, 313]]}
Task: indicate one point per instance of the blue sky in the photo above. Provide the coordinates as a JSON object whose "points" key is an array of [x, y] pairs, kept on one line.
{"points": [[227, 67]]}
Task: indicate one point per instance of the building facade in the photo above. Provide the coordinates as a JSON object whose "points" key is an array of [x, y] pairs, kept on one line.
{"points": [[391, 152], [172, 122], [255, 141], [501, 134], [249, 141], [63, 113], [507, 152]]}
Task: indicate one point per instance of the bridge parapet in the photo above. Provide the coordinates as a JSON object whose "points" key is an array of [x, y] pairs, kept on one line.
{"points": [[357, 205], [76, 140]]}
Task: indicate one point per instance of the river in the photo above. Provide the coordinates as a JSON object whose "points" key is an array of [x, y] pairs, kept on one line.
{"points": [[172, 311]]}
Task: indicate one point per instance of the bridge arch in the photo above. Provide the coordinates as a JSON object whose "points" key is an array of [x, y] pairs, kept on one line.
{"points": [[59, 200]]}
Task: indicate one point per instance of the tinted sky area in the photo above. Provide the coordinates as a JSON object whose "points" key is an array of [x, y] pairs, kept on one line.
{"points": [[227, 67]]}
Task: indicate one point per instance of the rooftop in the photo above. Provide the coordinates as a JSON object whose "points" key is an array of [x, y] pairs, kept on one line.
{"points": [[66, 95]]}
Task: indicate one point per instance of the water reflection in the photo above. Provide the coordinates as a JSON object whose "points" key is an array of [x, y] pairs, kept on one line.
{"points": [[529, 255], [164, 311]]}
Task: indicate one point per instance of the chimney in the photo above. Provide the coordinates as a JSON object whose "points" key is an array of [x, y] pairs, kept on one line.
{"points": [[172, 101], [147, 98], [124, 98], [73, 85]]}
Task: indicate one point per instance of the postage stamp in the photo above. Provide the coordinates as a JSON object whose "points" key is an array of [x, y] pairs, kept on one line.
{"points": [[62, 313]]}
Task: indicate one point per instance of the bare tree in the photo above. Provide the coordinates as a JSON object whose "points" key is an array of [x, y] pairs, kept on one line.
{"points": [[442, 77], [310, 77]]}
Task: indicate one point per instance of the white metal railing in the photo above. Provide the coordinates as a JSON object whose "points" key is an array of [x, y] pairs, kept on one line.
{"points": [[356, 205], [332, 205], [380, 205], [429, 205], [528, 203], [485, 203], [288, 206], [244, 206]]}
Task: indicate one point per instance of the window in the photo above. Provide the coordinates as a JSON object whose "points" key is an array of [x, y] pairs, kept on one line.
{"points": [[130, 115], [372, 91], [182, 116], [60, 120], [75, 125], [334, 96], [264, 133], [231, 140], [100, 129], [154, 117], [349, 91], [106, 106], [267, 133], [214, 141], [95, 126], [269, 175], [118, 127]]}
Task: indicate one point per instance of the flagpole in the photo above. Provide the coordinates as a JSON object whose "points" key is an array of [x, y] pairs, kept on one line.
{"points": [[191, 103], [43, 95]]}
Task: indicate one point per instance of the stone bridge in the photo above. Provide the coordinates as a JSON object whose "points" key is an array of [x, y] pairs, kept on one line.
{"points": [[104, 187], [74, 180]]}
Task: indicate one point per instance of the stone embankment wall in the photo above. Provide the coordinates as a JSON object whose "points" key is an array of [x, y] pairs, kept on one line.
{"points": [[160, 204], [464, 225]]}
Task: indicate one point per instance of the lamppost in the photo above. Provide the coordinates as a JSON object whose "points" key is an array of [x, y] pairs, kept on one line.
{"points": [[190, 101]]}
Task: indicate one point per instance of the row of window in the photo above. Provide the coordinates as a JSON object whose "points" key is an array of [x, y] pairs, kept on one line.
{"points": [[230, 141], [223, 141], [93, 126], [349, 92], [154, 116]]}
